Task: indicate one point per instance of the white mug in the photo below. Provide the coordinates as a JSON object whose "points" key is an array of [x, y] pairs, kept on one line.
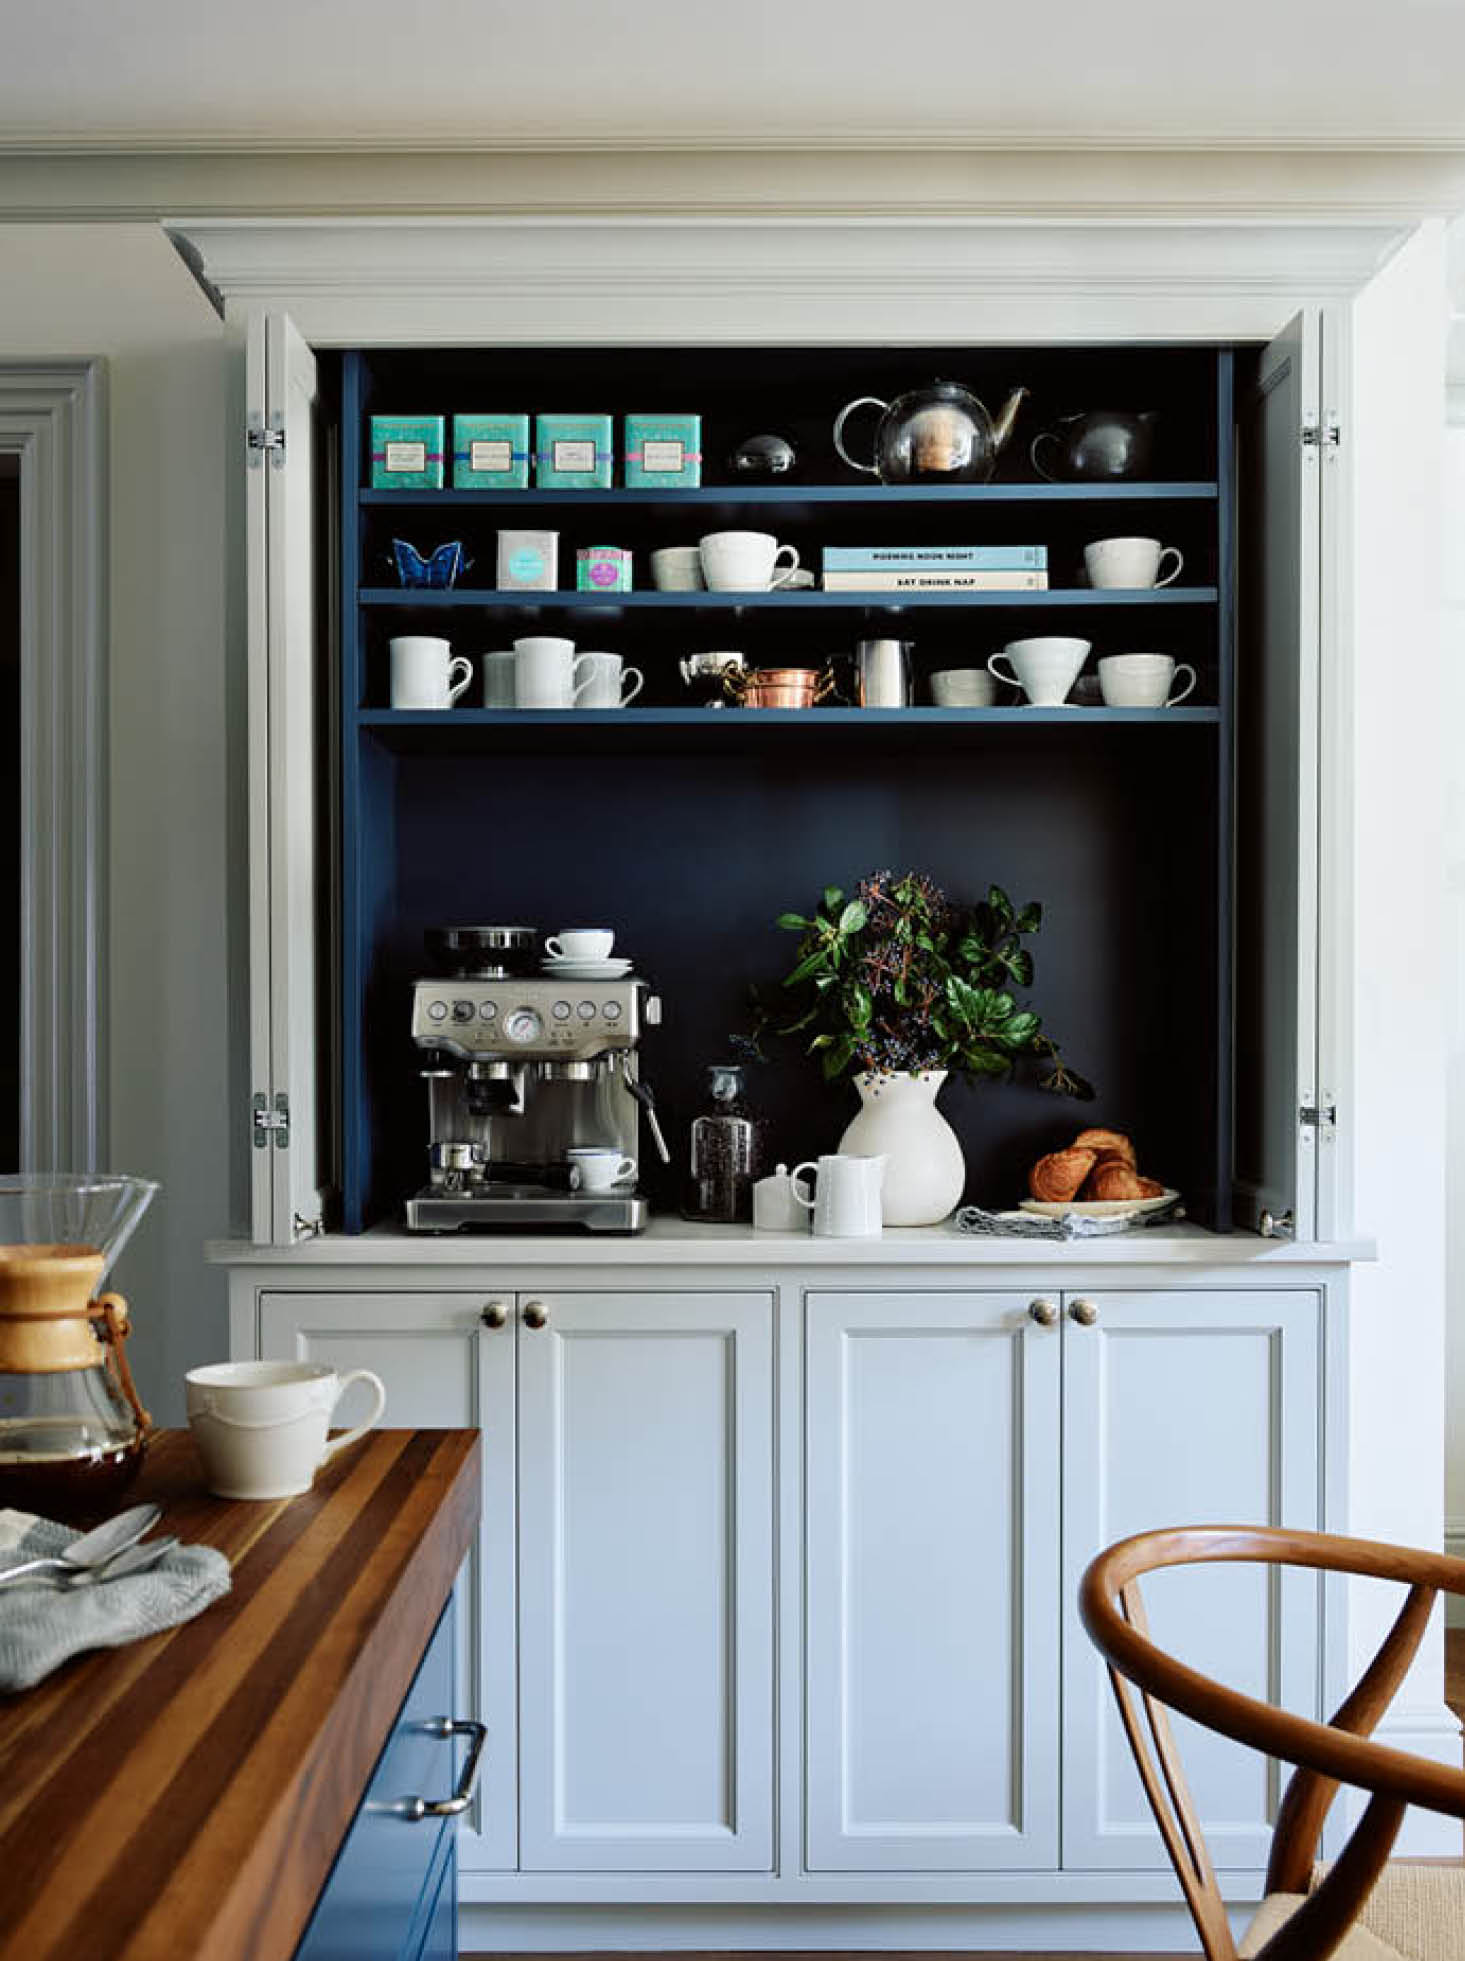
{"points": [[1142, 680], [608, 682], [426, 673], [580, 943], [593, 1170], [745, 561], [261, 1427], [546, 673], [1130, 562], [498, 678], [677, 568], [1044, 668], [963, 687], [846, 1204]]}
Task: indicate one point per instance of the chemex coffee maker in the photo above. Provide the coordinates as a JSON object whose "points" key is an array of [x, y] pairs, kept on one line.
{"points": [[534, 1087]]}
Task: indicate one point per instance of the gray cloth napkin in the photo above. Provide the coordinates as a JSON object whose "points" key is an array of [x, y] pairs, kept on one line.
{"points": [[42, 1624], [1072, 1225]]}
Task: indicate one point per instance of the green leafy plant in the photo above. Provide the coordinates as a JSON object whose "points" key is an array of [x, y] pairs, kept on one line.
{"points": [[895, 978]]}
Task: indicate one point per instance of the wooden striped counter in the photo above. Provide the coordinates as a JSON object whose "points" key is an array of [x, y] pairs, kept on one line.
{"points": [[185, 1796]]}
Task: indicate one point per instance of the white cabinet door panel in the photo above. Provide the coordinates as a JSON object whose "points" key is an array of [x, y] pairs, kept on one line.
{"points": [[646, 1583], [932, 1550], [1189, 1409], [443, 1369]]}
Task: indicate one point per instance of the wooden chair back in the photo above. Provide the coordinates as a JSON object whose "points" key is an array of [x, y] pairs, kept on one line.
{"points": [[1325, 1754]]}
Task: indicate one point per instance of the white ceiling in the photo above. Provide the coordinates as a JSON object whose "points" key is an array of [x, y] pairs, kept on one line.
{"points": [[1341, 74]]}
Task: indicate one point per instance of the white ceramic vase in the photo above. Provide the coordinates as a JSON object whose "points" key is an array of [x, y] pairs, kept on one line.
{"points": [[899, 1120]]}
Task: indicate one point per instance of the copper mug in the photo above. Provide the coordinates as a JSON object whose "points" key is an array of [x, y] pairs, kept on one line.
{"points": [[779, 687]]}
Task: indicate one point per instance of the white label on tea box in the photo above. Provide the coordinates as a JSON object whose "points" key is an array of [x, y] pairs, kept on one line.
{"points": [[574, 456], [406, 456], [490, 456], [663, 456]]}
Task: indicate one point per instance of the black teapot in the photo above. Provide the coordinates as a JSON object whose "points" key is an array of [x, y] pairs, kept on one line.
{"points": [[1098, 446], [937, 434]]}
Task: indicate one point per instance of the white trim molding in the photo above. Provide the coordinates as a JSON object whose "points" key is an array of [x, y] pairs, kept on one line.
{"points": [[52, 419]]}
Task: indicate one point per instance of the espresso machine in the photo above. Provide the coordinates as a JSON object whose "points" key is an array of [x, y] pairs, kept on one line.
{"points": [[523, 1067]]}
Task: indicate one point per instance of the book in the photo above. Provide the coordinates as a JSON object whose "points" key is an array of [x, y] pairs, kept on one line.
{"points": [[896, 579], [966, 558]]}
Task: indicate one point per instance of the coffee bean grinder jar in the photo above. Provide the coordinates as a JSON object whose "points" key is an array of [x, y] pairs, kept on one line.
{"points": [[72, 1428]]}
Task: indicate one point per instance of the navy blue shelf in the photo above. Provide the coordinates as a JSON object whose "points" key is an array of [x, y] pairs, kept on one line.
{"points": [[489, 600], [717, 722], [840, 493]]}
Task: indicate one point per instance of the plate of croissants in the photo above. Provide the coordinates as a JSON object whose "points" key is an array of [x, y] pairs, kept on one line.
{"points": [[1098, 1177]]}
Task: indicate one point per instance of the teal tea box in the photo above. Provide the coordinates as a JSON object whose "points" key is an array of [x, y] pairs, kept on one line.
{"points": [[407, 452], [663, 452], [573, 452], [490, 452]]}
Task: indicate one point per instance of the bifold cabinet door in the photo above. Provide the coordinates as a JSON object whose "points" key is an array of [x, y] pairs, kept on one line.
{"points": [[443, 1367], [646, 1581], [1189, 1409], [933, 1555]]}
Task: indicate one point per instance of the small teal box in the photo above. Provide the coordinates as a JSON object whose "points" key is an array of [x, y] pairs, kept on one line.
{"points": [[490, 452], [573, 452], [663, 452], [407, 452]]}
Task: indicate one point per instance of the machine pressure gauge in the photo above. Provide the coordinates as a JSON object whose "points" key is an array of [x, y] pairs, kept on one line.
{"points": [[523, 1025]]}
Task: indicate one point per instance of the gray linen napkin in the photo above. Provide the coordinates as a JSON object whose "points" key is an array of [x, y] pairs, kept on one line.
{"points": [[1072, 1225], [42, 1624]]}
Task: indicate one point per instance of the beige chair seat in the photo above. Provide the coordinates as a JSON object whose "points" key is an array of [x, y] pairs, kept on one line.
{"points": [[1415, 1913]]}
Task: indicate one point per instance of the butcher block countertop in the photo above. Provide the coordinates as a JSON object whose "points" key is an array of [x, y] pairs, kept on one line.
{"points": [[185, 1796]]}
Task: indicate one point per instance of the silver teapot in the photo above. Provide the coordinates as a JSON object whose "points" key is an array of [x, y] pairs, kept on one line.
{"points": [[937, 434]]}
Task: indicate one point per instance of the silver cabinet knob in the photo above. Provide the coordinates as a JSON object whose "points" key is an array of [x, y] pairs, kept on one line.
{"points": [[1043, 1312], [536, 1314], [1084, 1312], [495, 1314]]}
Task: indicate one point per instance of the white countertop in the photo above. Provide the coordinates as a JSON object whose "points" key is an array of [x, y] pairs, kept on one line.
{"points": [[669, 1242]]}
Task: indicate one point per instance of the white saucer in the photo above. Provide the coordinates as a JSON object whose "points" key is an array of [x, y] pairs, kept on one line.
{"points": [[587, 969]]}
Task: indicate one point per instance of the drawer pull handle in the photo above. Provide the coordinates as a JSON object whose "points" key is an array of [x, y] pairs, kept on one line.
{"points": [[416, 1809], [1085, 1313], [494, 1315], [536, 1314], [1043, 1312]]}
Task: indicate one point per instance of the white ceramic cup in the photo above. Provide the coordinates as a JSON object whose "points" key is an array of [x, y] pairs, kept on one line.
{"points": [[1044, 668], [1130, 562], [426, 673], [745, 561], [580, 943], [608, 682], [546, 673], [844, 1199], [963, 687], [593, 1170], [261, 1427], [498, 678], [677, 568], [1143, 680]]}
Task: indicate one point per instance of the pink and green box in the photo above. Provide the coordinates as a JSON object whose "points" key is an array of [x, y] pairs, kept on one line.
{"points": [[573, 452], [663, 452], [602, 568], [407, 452]]}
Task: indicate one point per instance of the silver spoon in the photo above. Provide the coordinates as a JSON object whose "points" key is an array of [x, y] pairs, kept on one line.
{"points": [[93, 1548], [131, 1559]]}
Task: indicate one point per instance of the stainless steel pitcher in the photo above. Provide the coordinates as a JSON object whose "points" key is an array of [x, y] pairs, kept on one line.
{"points": [[883, 673]]}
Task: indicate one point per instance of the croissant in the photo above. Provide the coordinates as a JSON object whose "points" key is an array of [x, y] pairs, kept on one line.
{"points": [[1104, 1158], [1058, 1176], [1119, 1180], [1108, 1143]]}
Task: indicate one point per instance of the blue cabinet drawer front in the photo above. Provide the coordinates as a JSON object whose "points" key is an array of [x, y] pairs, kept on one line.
{"points": [[372, 1904]]}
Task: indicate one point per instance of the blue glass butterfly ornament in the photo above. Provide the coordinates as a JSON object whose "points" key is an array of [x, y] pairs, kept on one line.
{"points": [[441, 570]]}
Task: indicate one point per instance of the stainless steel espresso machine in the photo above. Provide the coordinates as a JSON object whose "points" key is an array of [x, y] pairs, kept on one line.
{"points": [[521, 1068]]}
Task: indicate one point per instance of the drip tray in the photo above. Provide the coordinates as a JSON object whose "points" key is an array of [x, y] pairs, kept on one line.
{"points": [[526, 1207]]}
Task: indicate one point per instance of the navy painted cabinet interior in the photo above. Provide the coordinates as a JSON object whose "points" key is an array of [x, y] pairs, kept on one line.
{"points": [[392, 1893], [689, 830]]}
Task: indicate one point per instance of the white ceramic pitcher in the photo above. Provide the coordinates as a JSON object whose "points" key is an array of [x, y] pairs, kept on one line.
{"points": [[846, 1204]]}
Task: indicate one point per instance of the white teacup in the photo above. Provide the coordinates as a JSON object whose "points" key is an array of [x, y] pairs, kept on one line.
{"points": [[1044, 668], [745, 561], [426, 673], [498, 678], [1130, 562], [963, 687], [593, 1170], [677, 568], [1142, 680], [580, 943], [608, 682], [546, 672], [261, 1427]]}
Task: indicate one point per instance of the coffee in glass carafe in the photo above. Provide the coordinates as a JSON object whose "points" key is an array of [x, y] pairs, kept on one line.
{"points": [[72, 1428]]}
